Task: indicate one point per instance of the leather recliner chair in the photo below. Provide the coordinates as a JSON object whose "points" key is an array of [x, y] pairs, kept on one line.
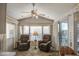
{"points": [[45, 44], [66, 51], [23, 43]]}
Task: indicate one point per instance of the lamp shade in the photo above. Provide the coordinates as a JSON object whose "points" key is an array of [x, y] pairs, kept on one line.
{"points": [[35, 33]]}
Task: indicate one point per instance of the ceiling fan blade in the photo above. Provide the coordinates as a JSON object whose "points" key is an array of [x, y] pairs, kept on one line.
{"points": [[25, 12], [42, 14]]}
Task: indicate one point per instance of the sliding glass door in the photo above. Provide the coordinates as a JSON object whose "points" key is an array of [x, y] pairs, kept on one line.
{"points": [[63, 33]]}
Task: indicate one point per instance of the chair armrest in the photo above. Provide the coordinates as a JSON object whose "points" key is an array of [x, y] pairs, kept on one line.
{"points": [[45, 43], [48, 42], [28, 41], [40, 42]]}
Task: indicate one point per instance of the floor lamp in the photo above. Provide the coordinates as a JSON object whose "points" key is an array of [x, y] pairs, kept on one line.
{"points": [[35, 34]]}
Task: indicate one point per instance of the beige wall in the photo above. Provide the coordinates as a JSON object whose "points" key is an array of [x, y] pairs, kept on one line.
{"points": [[76, 16], [71, 31], [55, 35], [2, 26], [33, 21], [2, 18]]}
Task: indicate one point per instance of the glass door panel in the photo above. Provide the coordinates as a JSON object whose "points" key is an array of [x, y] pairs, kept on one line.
{"points": [[63, 34]]}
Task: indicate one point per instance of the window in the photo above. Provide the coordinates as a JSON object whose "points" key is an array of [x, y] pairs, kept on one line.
{"points": [[46, 29], [38, 30], [25, 29], [63, 34], [64, 26], [10, 30]]}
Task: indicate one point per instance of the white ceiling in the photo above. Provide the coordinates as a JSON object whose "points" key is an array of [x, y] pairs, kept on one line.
{"points": [[51, 10]]}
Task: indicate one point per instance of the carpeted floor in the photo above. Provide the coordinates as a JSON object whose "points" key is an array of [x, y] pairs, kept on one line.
{"points": [[35, 52]]}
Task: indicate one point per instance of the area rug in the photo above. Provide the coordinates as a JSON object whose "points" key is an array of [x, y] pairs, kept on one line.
{"points": [[36, 52]]}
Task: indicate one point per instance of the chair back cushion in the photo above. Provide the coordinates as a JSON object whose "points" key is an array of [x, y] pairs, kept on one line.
{"points": [[46, 38], [24, 38]]}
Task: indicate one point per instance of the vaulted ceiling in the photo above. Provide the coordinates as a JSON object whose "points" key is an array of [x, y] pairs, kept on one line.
{"points": [[50, 10]]}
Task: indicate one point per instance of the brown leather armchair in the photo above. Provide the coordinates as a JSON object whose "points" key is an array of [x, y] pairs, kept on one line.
{"points": [[66, 51], [23, 43], [45, 44]]}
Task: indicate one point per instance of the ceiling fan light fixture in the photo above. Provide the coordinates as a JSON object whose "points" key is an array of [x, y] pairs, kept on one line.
{"points": [[33, 15], [36, 17]]}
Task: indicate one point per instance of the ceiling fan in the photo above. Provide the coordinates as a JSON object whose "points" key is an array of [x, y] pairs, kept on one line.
{"points": [[34, 12]]}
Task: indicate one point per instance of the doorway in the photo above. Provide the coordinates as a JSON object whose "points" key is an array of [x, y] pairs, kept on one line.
{"points": [[63, 33]]}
